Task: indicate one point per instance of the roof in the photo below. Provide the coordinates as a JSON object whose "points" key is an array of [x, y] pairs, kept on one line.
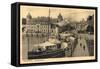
{"points": [[29, 16]]}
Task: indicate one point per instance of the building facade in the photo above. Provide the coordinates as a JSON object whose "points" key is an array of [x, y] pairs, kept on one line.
{"points": [[41, 25]]}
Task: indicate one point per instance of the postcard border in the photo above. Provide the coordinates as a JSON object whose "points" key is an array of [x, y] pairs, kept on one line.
{"points": [[60, 6]]}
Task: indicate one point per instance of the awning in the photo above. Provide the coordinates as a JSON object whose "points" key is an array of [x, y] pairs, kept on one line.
{"points": [[64, 45], [54, 41], [66, 34], [45, 44], [72, 38]]}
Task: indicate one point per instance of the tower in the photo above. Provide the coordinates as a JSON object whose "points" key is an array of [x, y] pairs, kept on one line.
{"points": [[60, 18], [29, 19]]}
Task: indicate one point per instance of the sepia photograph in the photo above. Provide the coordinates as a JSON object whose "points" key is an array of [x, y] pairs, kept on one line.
{"points": [[55, 34]]}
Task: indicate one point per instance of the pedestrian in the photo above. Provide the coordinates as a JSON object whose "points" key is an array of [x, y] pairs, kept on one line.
{"points": [[84, 47], [81, 44]]}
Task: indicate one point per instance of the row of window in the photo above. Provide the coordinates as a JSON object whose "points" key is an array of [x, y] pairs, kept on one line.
{"points": [[34, 28], [32, 23], [38, 30], [37, 26]]}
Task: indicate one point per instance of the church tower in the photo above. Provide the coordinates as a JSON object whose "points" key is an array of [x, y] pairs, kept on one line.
{"points": [[60, 18]]}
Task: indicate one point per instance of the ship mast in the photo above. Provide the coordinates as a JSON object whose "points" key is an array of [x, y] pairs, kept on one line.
{"points": [[49, 23]]}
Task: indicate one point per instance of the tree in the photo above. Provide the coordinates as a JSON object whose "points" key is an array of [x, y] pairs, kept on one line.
{"points": [[90, 29]]}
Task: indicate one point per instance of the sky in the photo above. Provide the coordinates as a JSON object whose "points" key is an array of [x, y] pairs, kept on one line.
{"points": [[75, 14]]}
